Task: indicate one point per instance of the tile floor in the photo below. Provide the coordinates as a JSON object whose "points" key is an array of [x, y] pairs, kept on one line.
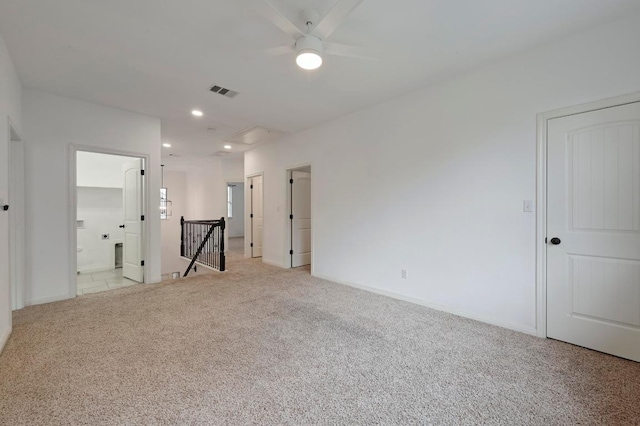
{"points": [[102, 281]]}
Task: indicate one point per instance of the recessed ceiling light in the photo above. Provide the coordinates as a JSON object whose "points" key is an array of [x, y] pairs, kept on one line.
{"points": [[197, 113], [227, 147], [166, 145]]}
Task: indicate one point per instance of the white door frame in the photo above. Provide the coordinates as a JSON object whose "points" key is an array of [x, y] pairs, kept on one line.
{"points": [[73, 208], [541, 195], [287, 224], [17, 240], [248, 223]]}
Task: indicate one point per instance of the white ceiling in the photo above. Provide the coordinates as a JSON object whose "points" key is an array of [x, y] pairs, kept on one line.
{"points": [[159, 57]]}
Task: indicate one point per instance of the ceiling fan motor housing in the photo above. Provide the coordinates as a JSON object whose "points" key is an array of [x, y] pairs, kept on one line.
{"points": [[309, 43]]}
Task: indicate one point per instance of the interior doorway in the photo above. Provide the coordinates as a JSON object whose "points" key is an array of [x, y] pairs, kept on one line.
{"points": [[299, 216], [235, 209], [16, 219], [234, 246], [109, 221], [256, 214]]}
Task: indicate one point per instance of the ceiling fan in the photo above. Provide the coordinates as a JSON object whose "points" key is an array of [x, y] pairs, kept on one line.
{"points": [[310, 43]]}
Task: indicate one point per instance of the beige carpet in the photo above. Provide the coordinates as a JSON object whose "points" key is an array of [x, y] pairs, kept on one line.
{"points": [[235, 251], [260, 345]]}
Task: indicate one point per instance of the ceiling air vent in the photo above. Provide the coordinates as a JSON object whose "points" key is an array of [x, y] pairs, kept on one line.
{"points": [[224, 92], [221, 153]]}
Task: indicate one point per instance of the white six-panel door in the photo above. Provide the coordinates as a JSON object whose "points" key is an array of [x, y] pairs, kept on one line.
{"points": [[133, 232], [256, 215], [593, 196], [301, 222]]}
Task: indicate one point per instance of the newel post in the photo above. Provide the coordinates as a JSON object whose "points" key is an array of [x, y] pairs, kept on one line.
{"points": [[222, 257], [182, 236]]}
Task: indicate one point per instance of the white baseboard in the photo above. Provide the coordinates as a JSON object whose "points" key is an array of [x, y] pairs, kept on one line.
{"points": [[272, 263], [48, 300], [5, 338], [448, 309], [99, 269]]}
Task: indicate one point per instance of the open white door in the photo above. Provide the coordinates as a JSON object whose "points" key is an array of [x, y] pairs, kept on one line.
{"points": [[256, 216], [300, 218], [132, 266], [593, 222]]}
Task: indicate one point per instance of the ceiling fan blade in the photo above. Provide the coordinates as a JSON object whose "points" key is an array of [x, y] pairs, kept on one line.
{"points": [[277, 51], [338, 49], [278, 19], [334, 18]]}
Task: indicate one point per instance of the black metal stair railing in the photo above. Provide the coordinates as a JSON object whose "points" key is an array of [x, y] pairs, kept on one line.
{"points": [[202, 241]]}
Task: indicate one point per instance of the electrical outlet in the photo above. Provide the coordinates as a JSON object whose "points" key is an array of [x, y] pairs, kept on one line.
{"points": [[527, 206], [175, 275], [105, 236], [404, 274]]}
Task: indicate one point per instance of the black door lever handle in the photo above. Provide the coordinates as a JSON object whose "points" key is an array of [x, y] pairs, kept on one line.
{"points": [[121, 226]]}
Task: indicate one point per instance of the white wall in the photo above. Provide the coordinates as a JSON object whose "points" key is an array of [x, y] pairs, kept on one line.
{"points": [[10, 109], [233, 169], [51, 124], [100, 170], [433, 182], [175, 182], [206, 190], [101, 212], [235, 225]]}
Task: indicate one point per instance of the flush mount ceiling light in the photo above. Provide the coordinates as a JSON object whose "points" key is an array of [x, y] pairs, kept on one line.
{"points": [[197, 113], [309, 52], [166, 145], [227, 147]]}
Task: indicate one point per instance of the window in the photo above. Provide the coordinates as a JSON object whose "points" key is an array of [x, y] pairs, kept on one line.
{"points": [[229, 201], [163, 204]]}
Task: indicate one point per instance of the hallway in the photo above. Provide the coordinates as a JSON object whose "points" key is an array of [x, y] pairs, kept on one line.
{"points": [[235, 250]]}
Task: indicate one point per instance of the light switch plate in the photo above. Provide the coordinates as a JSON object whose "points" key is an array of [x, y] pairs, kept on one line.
{"points": [[527, 206]]}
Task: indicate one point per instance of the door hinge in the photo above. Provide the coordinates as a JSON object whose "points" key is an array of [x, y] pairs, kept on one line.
{"points": [[291, 181], [142, 263], [251, 186], [545, 240], [141, 172], [251, 244], [142, 217], [291, 252], [251, 215], [291, 216]]}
